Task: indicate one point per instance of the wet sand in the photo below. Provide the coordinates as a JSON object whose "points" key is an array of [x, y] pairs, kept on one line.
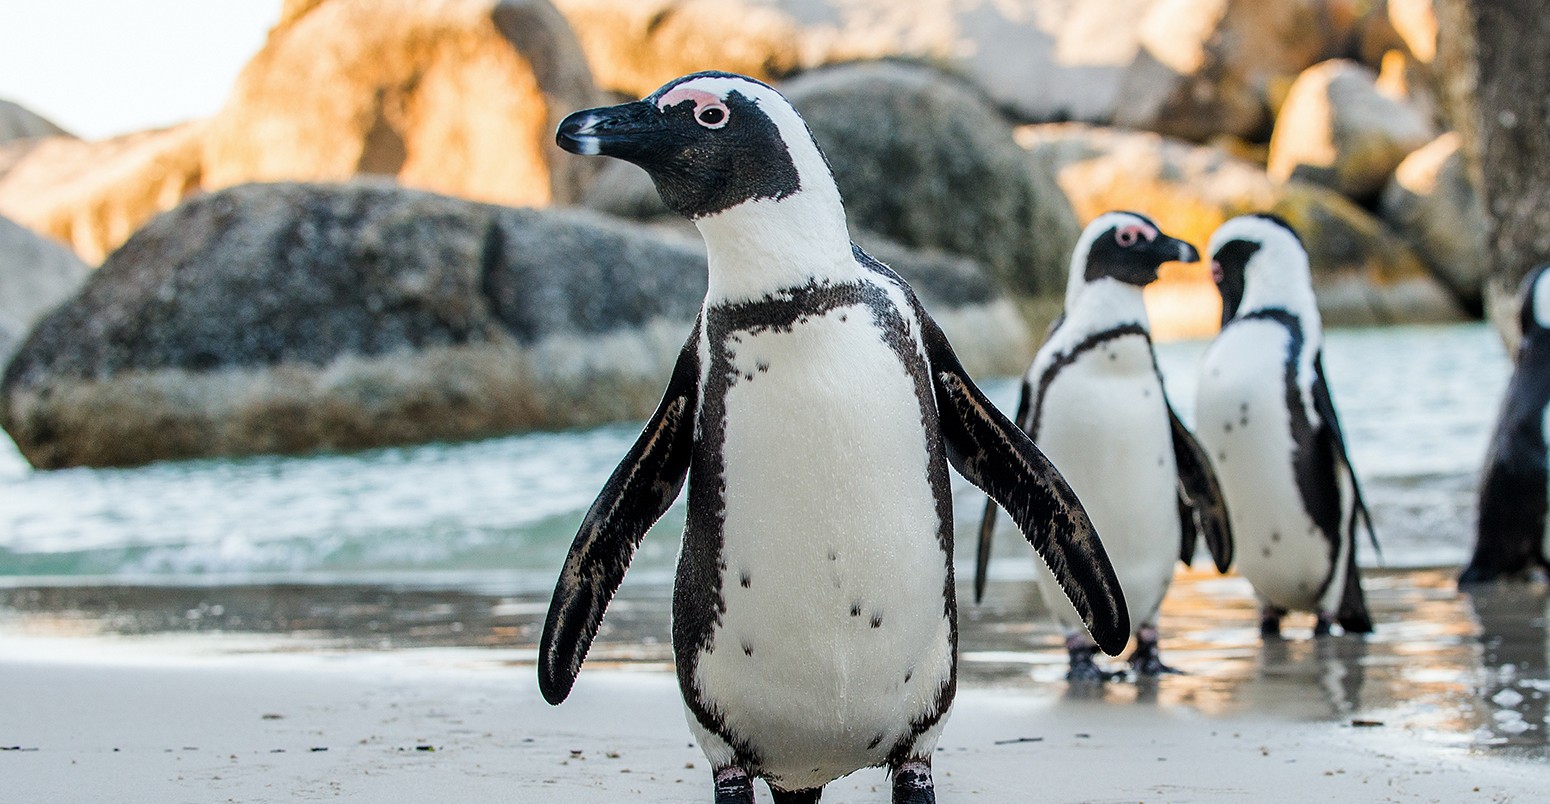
{"points": [[384, 693]]}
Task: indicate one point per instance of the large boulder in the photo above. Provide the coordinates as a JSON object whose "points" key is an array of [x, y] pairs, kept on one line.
{"points": [[1221, 66], [1189, 67], [635, 46], [36, 274], [285, 318], [924, 159], [1362, 272], [93, 195], [921, 159], [1340, 129], [20, 123], [457, 96], [1431, 203]]}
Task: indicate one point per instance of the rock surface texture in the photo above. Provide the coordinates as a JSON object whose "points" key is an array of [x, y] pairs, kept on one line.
{"points": [[294, 317], [1340, 129], [93, 195], [1431, 203], [20, 123], [455, 96], [36, 274]]}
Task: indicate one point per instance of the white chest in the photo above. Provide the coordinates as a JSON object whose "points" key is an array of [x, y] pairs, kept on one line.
{"points": [[834, 633], [1104, 425], [1243, 421]]}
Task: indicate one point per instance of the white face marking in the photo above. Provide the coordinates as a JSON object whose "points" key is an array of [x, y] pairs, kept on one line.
{"points": [[765, 245], [1277, 275], [709, 109]]}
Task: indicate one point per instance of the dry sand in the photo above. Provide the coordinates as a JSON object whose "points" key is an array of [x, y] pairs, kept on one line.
{"points": [[221, 718]]}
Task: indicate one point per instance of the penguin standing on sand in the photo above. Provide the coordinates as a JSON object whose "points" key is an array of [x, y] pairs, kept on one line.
{"points": [[1511, 535], [814, 410], [1264, 414], [1093, 401]]}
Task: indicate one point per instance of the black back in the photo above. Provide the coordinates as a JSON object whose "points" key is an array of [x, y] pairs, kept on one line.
{"points": [[1509, 535]]}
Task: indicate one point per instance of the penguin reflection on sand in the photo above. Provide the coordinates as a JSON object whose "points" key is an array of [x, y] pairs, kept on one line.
{"points": [[1511, 536], [1264, 414], [1093, 401], [814, 410]]}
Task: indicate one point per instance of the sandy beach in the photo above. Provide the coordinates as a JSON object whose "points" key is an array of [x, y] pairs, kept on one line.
{"points": [[91, 716]]}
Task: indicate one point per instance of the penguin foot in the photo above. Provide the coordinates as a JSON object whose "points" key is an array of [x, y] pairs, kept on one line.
{"points": [[1270, 622], [1151, 666], [912, 783], [733, 786], [1321, 628], [1146, 659], [1084, 670]]}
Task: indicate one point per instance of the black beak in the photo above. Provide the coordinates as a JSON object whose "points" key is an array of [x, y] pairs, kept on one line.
{"points": [[1170, 249], [629, 131]]}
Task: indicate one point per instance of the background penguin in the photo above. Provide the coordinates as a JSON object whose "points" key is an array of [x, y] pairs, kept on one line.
{"points": [[814, 409], [1264, 415], [1093, 401], [1511, 537]]}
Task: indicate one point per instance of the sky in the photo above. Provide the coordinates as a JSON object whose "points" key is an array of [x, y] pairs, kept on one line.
{"points": [[99, 68]]}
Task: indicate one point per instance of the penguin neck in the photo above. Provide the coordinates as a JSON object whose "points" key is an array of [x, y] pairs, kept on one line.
{"points": [[1104, 304], [759, 248]]}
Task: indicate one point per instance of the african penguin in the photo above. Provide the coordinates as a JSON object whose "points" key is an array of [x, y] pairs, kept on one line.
{"points": [[1511, 535], [1093, 401], [1264, 414], [814, 410]]}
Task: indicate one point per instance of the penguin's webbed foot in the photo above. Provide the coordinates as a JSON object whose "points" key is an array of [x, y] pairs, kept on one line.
{"points": [[733, 786], [1270, 622], [912, 783], [1083, 669], [1146, 660], [1321, 628]]}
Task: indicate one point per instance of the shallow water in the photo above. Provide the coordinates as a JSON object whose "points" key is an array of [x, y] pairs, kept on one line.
{"points": [[1417, 404], [458, 545]]}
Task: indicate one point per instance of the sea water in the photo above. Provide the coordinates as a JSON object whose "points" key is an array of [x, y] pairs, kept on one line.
{"points": [[1417, 404]]}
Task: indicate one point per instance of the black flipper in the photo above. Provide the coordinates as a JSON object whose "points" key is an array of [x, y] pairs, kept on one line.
{"points": [[1325, 406], [1202, 506], [988, 521], [994, 454], [1352, 614], [637, 494]]}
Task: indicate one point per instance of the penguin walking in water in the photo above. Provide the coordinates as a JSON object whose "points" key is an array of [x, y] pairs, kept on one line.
{"points": [[814, 410], [1511, 534], [1264, 414], [1093, 401]]}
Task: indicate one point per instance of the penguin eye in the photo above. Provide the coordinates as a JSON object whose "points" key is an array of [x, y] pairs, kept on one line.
{"points": [[1127, 236], [711, 115]]}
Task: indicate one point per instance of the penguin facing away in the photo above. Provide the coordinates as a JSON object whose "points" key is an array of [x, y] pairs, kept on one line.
{"points": [[1093, 401], [814, 410], [1511, 536], [1264, 414]]}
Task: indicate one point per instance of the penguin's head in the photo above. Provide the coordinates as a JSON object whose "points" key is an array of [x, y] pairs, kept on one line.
{"points": [[711, 141], [1534, 315], [1259, 259], [1125, 247]]}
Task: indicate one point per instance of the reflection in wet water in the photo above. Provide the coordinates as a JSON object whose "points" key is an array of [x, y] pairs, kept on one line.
{"points": [[1512, 686], [1463, 669]]}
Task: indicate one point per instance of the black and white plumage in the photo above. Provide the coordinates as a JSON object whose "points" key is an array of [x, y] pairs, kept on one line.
{"points": [[1511, 536], [1264, 414], [1093, 400], [814, 409]]}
